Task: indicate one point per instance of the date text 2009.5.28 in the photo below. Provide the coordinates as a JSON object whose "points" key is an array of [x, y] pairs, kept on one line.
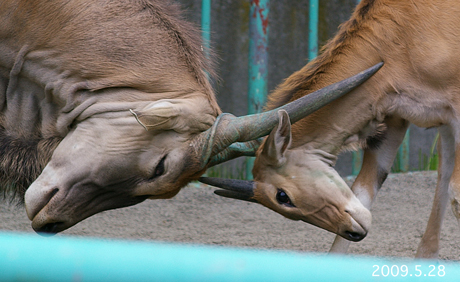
{"points": [[413, 270]]}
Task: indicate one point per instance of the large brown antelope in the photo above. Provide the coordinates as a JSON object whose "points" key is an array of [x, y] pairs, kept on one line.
{"points": [[104, 104], [419, 43]]}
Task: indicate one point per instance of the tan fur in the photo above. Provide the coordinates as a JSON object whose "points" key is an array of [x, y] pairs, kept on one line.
{"points": [[418, 41], [399, 33]]}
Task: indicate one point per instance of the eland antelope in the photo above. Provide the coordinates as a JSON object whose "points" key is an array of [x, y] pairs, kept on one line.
{"points": [[418, 41]]}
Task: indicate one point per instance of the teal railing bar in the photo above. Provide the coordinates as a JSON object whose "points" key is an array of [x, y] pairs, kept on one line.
{"points": [[313, 30], [404, 153], [356, 162], [206, 27], [34, 258], [258, 62], [206, 24]]}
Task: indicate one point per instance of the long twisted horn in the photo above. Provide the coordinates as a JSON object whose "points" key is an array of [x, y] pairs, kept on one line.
{"points": [[229, 129]]}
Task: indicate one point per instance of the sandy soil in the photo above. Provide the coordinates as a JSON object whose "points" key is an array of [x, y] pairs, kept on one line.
{"points": [[196, 215]]}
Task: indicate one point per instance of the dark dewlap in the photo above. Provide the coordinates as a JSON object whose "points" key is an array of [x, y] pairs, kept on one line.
{"points": [[21, 162], [373, 142]]}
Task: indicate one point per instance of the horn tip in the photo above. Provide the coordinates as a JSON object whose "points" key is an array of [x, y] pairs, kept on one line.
{"points": [[235, 195], [206, 180]]}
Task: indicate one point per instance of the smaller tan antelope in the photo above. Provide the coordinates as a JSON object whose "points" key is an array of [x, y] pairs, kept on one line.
{"points": [[418, 41]]}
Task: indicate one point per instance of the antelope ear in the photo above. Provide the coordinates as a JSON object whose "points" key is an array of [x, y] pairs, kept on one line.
{"points": [[180, 115], [278, 141]]}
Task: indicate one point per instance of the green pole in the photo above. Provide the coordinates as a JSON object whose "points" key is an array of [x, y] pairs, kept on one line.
{"points": [[206, 24], [313, 30], [258, 62], [356, 160], [404, 153], [206, 27]]}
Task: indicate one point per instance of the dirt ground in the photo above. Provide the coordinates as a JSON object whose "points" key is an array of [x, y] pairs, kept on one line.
{"points": [[196, 215]]}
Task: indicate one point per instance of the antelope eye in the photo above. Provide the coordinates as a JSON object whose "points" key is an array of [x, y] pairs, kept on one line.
{"points": [[160, 169], [283, 198]]}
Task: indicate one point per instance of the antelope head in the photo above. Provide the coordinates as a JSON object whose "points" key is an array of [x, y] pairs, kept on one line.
{"points": [[305, 188]]}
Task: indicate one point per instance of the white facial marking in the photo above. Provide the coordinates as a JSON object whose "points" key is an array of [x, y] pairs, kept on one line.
{"points": [[363, 196]]}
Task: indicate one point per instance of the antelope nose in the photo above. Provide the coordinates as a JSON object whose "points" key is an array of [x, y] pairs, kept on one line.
{"points": [[354, 232], [48, 229], [355, 236], [360, 216], [360, 220], [36, 199]]}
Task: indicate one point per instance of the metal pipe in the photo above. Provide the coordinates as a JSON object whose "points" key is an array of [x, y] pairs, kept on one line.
{"points": [[356, 161], [206, 24], [404, 153], [27, 257], [313, 30], [206, 28], [258, 62]]}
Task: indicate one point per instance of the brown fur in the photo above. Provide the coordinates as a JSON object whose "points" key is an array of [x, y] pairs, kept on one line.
{"points": [[418, 42], [22, 161], [106, 45], [105, 49], [379, 30]]}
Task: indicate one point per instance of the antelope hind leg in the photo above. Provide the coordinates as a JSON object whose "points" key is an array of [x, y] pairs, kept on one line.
{"points": [[429, 245]]}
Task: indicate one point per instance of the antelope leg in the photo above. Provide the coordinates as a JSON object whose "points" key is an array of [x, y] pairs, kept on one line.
{"points": [[429, 245], [377, 161]]}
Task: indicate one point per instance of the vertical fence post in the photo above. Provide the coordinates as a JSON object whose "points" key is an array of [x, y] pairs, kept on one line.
{"points": [[313, 30], [206, 27], [206, 24], [404, 153], [258, 62], [356, 160]]}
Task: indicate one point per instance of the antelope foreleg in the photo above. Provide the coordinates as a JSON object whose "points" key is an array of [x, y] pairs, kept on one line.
{"points": [[377, 162]]}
